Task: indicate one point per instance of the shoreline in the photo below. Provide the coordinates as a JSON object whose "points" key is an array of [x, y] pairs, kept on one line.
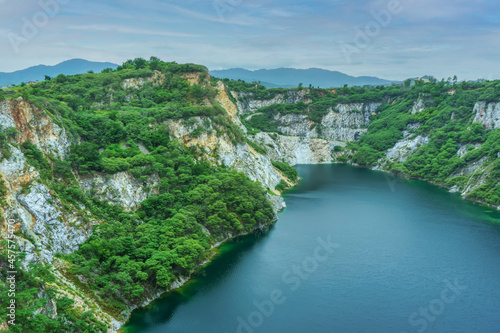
{"points": [[117, 326], [402, 176], [181, 281]]}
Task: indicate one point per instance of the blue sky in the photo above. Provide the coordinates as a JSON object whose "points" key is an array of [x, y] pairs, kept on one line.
{"points": [[410, 38]]}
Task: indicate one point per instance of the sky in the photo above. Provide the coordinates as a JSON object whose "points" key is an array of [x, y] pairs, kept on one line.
{"points": [[391, 39]]}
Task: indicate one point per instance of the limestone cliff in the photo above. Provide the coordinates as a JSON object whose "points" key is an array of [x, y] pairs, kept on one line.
{"points": [[343, 122], [247, 102], [347, 122], [48, 227], [303, 141], [121, 188], [296, 149], [220, 149], [488, 114], [32, 123], [136, 83]]}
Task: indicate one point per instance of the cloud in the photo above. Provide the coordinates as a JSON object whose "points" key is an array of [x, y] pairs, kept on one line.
{"points": [[130, 30], [442, 38]]}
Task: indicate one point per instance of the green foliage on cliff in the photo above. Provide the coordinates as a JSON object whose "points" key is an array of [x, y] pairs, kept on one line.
{"points": [[289, 171], [447, 122], [167, 236], [253, 90], [29, 286], [6, 135], [317, 103], [118, 123]]}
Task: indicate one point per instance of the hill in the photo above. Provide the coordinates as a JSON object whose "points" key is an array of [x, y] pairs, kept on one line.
{"points": [[291, 77], [37, 73], [117, 185]]}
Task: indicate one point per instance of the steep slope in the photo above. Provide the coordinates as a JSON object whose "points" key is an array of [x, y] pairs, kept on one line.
{"points": [[447, 135], [91, 164], [117, 186]]}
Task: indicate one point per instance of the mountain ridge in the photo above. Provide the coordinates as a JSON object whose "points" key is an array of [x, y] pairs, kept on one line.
{"points": [[38, 72], [284, 77]]}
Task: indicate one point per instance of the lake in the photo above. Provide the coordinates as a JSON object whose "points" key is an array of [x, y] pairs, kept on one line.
{"points": [[355, 251]]}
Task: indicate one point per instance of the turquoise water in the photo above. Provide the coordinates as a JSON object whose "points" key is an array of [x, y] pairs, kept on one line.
{"points": [[354, 251]]}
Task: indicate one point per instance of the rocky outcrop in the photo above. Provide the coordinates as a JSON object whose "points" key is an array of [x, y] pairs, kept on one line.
{"points": [[344, 122], [347, 122], [297, 150], [467, 148], [247, 103], [296, 125], [34, 124], [419, 106], [488, 114], [120, 188], [45, 229], [225, 101], [476, 173], [52, 230], [220, 149], [135, 83], [404, 148], [196, 77]]}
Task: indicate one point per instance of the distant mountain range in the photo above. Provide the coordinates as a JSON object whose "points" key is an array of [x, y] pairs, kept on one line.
{"points": [[69, 67], [271, 78], [290, 77]]}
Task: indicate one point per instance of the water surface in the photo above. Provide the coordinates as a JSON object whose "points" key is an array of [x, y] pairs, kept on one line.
{"points": [[406, 257]]}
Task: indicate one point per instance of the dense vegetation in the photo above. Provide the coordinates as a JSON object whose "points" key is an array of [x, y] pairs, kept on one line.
{"points": [[446, 121], [28, 304], [321, 101], [289, 171], [254, 90], [122, 127], [120, 118]]}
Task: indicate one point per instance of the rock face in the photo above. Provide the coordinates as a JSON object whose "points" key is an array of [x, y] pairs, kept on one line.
{"points": [[33, 124], [296, 125], [487, 114], [404, 148], [228, 105], [305, 142], [247, 103], [297, 150], [46, 229], [135, 83], [52, 230], [347, 122], [121, 188], [419, 106], [343, 122], [476, 172], [221, 149]]}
